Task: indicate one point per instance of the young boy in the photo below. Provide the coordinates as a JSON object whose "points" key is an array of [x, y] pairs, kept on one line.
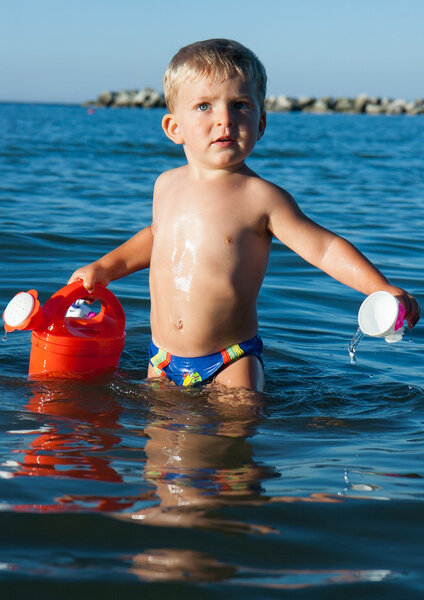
{"points": [[213, 222]]}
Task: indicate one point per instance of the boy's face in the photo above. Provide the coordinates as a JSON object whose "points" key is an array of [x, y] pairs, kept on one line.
{"points": [[218, 122]]}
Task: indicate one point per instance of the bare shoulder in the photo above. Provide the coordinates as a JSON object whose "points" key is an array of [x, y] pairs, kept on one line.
{"points": [[272, 196], [167, 179]]}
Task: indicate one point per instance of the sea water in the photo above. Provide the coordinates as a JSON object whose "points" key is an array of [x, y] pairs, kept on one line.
{"points": [[122, 487]]}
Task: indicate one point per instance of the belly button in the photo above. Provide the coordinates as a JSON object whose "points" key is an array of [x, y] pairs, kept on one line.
{"points": [[180, 324], [228, 240]]}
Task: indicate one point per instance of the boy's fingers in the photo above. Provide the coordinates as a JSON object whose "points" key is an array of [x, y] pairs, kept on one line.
{"points": [[89, 285], [412, 308], [414, 312]]}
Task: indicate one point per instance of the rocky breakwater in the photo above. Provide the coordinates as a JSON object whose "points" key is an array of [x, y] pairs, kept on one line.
{"points": [[150, 98], [361, 104], [145, 98]]}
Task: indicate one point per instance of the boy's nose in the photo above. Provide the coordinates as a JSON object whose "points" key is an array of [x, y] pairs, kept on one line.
{"points": [[224, 117]]}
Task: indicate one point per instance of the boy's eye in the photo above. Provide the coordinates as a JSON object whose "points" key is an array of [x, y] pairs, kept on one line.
{"points": [[203, 106], [240, 104]]}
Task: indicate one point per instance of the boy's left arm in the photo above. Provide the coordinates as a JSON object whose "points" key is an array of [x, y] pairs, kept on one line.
{"points": [[331, 253], [343, 261]]}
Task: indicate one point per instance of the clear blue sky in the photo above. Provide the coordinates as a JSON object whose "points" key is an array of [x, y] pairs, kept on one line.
{"points": [[71, 50]]}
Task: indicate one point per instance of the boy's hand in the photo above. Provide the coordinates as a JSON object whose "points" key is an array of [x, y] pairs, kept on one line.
{"points": [[411, 306], [90, 275]]}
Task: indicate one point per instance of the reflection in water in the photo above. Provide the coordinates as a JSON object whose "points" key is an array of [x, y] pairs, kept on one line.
{"points": [[186, 565], [199, 458], [169, 564], [193, 453], [196, 457], [80, 429]]}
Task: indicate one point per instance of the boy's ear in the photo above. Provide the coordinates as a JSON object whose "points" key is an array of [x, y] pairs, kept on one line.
{"points": [[171, 129], [262, 125]]}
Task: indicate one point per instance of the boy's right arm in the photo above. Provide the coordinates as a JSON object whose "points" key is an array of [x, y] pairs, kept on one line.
{"points": [[131, 256]]}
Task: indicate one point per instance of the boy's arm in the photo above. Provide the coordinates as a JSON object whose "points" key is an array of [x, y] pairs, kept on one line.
{"points": [[131, 256], [331, 253]]}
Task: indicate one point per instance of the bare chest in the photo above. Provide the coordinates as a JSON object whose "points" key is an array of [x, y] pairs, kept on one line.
{"points": [[218, 231]]}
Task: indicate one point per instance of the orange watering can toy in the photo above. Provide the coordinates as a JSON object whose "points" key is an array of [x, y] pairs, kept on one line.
{"points": [[65, 346]]}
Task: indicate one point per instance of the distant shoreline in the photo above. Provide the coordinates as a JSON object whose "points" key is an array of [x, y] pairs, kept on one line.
{"points": [[150, 98]]}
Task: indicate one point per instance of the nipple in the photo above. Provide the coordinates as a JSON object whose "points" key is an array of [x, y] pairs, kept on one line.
{"points": [[180, 324]]}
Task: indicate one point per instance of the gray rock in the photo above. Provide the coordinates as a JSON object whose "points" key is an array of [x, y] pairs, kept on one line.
{"points": [[329, 101], [343, 104], [140, 97], [148, 98], [270, 102], [131, 96], [360, 102], [305, 102], [106, 98], [417, 108], [320, 106], [153, 100], [396, 107], [284, 104], [122, 99], [372, 108]]}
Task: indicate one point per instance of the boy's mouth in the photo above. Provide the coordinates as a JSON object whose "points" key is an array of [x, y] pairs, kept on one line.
{"points": [[223, 141]]}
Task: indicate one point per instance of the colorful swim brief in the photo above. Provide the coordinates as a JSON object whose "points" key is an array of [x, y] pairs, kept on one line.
{"points": [[188, 371]]}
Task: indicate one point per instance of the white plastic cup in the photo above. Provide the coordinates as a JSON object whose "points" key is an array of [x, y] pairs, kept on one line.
{"points": [[382, 315]]}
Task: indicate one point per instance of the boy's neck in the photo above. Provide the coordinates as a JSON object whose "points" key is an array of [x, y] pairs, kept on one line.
{"points": [[198, 172]]}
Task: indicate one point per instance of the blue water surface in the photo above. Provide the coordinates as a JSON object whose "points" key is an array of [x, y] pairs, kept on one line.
{"points": [[120, 486]]}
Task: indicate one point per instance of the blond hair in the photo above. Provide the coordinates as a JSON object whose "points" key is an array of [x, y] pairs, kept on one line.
{"points": [[218, 59]]}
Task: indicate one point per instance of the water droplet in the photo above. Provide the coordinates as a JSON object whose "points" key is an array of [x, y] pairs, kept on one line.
{"points": [[4, 338], [354, 343]]}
